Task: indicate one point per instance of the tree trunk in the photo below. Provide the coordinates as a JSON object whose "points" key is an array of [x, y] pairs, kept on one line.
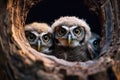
{"points": [[18, 61]]}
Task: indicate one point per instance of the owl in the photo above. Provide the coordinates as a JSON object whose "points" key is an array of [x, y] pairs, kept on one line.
{"points": [[94, 45], [71, 35], [39, 35]]}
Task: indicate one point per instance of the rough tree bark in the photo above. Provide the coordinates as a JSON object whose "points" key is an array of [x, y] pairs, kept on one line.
{"points": [[18, 61]]}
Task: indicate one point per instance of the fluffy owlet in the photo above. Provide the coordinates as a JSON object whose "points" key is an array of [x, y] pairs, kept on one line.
{"points": [[94, 45], [70, 38], [39, 35]]}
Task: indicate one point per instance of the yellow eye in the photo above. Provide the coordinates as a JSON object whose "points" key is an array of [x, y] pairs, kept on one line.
{"points": [[61, 32], [77, 31], [31, 37], [46, 37]]}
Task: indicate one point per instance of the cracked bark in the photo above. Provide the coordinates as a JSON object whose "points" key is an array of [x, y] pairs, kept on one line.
{"points": [[18, 61]]}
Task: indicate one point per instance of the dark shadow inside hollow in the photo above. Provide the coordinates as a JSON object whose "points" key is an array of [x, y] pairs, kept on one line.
{"points": [[49, 10]]}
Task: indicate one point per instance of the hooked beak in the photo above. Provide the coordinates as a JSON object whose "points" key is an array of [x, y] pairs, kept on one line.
{"points": [[39, 45], [69, 39]]}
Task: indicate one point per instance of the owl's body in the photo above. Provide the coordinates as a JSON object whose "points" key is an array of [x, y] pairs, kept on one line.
{"points": [[70, 39], [94, 45], [72, 53], [39, 35]]}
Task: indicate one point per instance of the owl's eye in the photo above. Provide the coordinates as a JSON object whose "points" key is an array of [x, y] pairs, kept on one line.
{"points": [[31, 37], [77, 31], [46, 37], [61, 32], [96, 43]]}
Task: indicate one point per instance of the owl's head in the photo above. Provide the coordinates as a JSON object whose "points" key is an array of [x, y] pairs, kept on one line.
{"points": [[39, 35], [94, 45], [70, 31]]}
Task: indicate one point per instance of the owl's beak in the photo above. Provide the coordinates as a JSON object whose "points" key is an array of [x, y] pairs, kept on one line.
{"points": [[69, 39], [39, 45]]}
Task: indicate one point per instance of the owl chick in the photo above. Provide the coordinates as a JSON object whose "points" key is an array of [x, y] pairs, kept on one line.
{"points": [[70, 38], [39, 35], [94, 45]]}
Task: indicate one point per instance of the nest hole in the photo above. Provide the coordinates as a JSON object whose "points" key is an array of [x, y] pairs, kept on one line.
{"points": [[48, 11]]}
